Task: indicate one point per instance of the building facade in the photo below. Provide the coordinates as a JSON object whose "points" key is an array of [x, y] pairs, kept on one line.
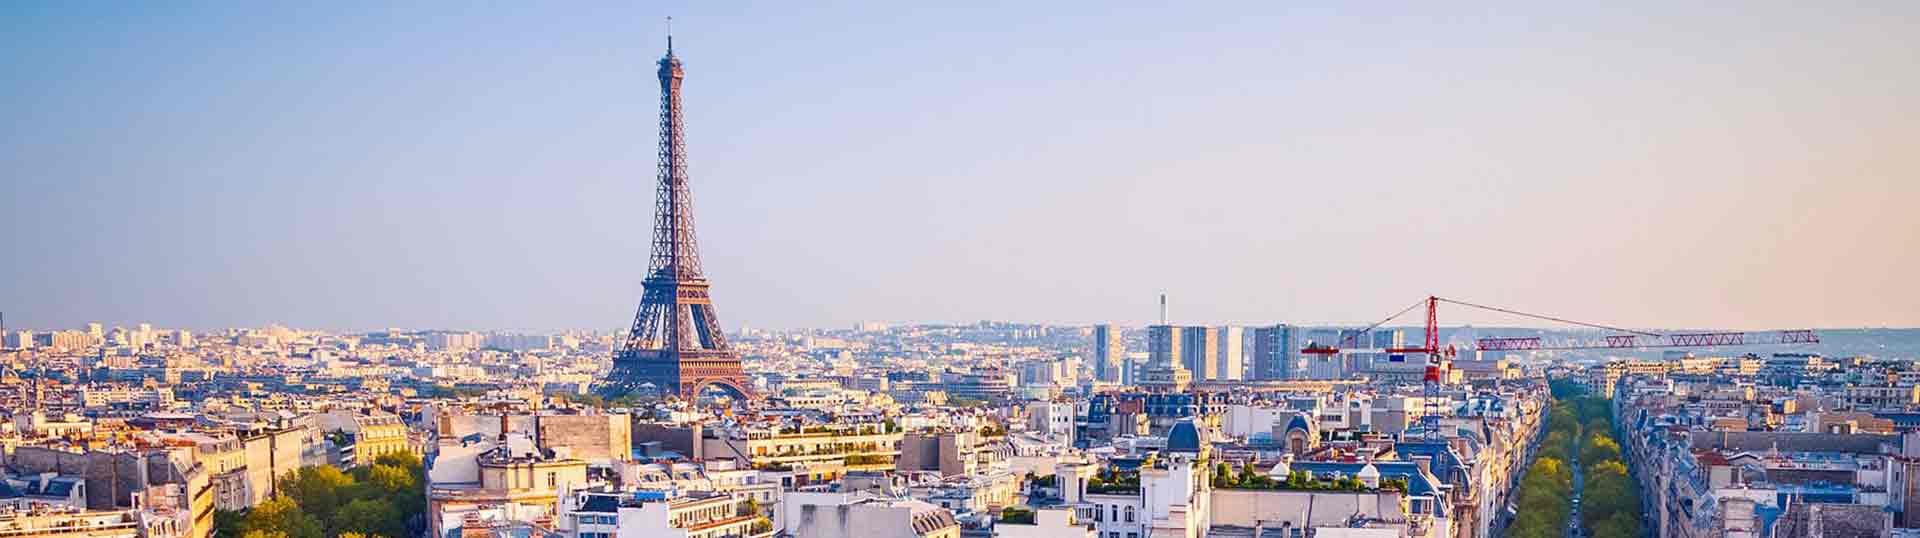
{"points": [[1276, 353], [1108, 351]]}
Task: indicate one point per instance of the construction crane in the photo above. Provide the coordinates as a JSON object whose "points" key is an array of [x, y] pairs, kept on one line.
{"points": [[1624, 339], [1435, 372]]}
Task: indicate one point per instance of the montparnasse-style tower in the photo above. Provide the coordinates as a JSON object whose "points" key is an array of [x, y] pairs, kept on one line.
{"points": [[675, 343]]}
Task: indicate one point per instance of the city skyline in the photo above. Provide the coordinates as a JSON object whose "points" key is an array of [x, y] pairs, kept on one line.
{"points": [[365, 169], [1063, 270]]}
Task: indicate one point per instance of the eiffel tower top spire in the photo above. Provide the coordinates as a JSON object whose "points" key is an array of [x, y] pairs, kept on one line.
{"points": [[676, 250]]}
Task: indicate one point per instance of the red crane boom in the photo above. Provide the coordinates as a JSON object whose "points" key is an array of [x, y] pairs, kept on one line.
{"points": [[1631, 341], [1628, 339]]}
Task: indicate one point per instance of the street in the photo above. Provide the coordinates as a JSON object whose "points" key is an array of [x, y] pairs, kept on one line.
{"points": [[1573, 516]]}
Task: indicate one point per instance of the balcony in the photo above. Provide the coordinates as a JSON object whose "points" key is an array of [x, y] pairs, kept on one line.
{"points": [[58, 529], [864, 430]]}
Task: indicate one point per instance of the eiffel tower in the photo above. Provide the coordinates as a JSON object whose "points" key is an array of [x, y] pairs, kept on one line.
{"points": [[675, 343]]}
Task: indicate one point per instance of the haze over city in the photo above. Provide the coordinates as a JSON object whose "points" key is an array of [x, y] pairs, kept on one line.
{"points": [[393, 269], [372, 164]]}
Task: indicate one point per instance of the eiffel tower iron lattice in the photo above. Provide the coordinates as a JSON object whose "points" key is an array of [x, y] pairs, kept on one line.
{"points": [[675, 343]]}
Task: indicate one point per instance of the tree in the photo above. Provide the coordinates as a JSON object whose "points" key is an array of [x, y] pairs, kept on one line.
{"points": [[1562, 418], [749, 508], [403, 460], [1609, 493], [1558, 444], [1563, 389], [1620, 525], [228, 524], [1299, 479], [589, 400], [1542, 500], [1594, 409], [625, 400], [370, 516], [1535, 525], [400, 487], [320, 490], [388, 478], [1554, 470], [1599, 448], [256, 533], [281, 515]]}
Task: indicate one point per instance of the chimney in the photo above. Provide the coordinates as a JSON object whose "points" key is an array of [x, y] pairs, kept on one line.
{"points": [[1163, 309]]}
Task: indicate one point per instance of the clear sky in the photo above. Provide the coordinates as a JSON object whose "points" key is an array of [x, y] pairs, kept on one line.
{"points": [[358, 165]]}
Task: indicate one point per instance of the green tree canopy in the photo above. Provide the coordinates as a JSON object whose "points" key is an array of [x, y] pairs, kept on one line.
{"points": [[400, 487], [403, 460], [370, 516], [228, 524], [1562, 419], [373, 501], [281, 515], [1599, 448], [1622, 525], [1593, 409], [320, 490]]}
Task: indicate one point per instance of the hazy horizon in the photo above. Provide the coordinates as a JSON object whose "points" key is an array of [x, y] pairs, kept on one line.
{"points": [[358, 165]]}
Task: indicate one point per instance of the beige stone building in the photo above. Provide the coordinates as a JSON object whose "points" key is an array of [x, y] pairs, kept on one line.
{"points": [[511, 478], [858, 446]]}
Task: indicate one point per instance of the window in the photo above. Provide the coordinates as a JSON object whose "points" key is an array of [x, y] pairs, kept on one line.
{"points": [[1129, 514], [1116, 512], [1113, 535], [553, 480]]}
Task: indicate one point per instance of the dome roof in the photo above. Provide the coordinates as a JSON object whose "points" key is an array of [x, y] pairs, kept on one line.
{"points": [[1299, 422], [1369, 475], [1184, 437]]}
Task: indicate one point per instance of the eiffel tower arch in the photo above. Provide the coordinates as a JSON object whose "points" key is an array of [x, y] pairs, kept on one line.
{"points": [[675, 345]]}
